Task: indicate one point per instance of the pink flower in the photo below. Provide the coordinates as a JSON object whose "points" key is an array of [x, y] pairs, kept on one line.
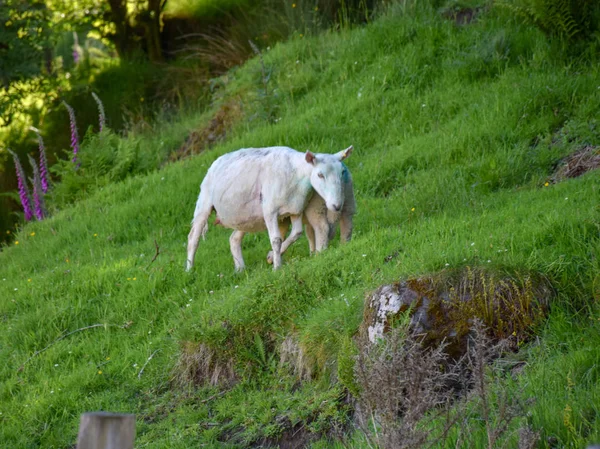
{"points": [[23, 189]]}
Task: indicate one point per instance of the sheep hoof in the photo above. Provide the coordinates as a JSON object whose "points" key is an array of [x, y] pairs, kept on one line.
{"points": [[270, 258]]}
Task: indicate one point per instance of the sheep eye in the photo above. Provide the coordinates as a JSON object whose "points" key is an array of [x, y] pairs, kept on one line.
{"points": [[321, 176]]}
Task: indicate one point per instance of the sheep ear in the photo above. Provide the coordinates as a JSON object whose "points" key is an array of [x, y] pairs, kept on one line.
{"points": [[310, 158], [345, 153]]}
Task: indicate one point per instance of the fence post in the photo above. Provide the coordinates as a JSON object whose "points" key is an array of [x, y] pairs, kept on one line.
{"points": [[102, 430]]}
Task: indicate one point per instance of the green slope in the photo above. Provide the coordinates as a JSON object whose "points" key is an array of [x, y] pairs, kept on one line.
{"points": [[456, 131]]}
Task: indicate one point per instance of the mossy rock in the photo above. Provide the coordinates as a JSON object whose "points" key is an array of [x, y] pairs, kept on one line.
{"points": [[442, 307]]}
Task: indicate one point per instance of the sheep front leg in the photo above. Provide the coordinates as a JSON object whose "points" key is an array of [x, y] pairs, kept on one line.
{"points": [[272, 222], [283, 229], [345, 228], [294, 235], [310, 236]]}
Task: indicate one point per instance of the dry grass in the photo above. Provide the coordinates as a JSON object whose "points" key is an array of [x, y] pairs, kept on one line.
{"points": [[199, 365], [215, 131], [412, 395], [403, 390], [292, 355], [577, 163]]}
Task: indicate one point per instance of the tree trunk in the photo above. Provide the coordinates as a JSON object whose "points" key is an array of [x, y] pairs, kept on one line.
{"points": [[150, 20], [124, 36]]}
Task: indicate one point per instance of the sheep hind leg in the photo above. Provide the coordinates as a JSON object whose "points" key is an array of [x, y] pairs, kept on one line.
{"points": [[235, 244], [199, 229]]}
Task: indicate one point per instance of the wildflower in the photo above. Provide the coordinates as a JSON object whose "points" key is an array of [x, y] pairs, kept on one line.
{"points": [[413, 209], [293, 5], [74, 134], [43, 161], [546, 184], [23, 189], [8, 231], [16, 242], [75, 48], [135, 279], [101, 115], [38, 194], [28, 280], [316, 8], [99, 372], [95, 235], [32, 234]]}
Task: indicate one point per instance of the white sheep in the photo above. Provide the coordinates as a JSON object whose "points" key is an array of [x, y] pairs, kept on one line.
{"points": [[320, 222], [254, 189]]}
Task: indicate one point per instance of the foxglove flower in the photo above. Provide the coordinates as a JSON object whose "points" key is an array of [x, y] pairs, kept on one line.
{"points": [[102, 116], [38, 195], [23, 189], [44, 178], [74, 134], [75, 48]]}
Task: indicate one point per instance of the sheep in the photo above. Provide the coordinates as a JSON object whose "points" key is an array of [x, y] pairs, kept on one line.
{"points": [[253, 189], [320, 223]]}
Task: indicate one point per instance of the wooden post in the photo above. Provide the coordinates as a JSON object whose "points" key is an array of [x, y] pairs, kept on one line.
{"points": [[101, 430]]}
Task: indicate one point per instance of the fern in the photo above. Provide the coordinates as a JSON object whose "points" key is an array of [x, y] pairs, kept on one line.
{"points": [[566, 19]]}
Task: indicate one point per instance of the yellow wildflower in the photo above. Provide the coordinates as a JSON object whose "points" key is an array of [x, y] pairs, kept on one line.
{"points": [[32, 234]]}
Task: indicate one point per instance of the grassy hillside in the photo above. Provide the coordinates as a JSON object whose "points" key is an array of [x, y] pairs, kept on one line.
{"points": [[457, 133]]}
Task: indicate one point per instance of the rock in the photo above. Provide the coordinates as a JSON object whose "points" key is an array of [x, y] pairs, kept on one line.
{"points": [[443, 307]]}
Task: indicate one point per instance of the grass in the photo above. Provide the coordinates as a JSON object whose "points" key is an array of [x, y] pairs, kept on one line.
{"points": [[455, 129]]}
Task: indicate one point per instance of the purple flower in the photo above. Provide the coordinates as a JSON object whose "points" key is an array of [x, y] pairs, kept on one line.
{"points": [[75, 48], [38, 195], [74, 134], [23, 189], [102, 117], [43, 161]]}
